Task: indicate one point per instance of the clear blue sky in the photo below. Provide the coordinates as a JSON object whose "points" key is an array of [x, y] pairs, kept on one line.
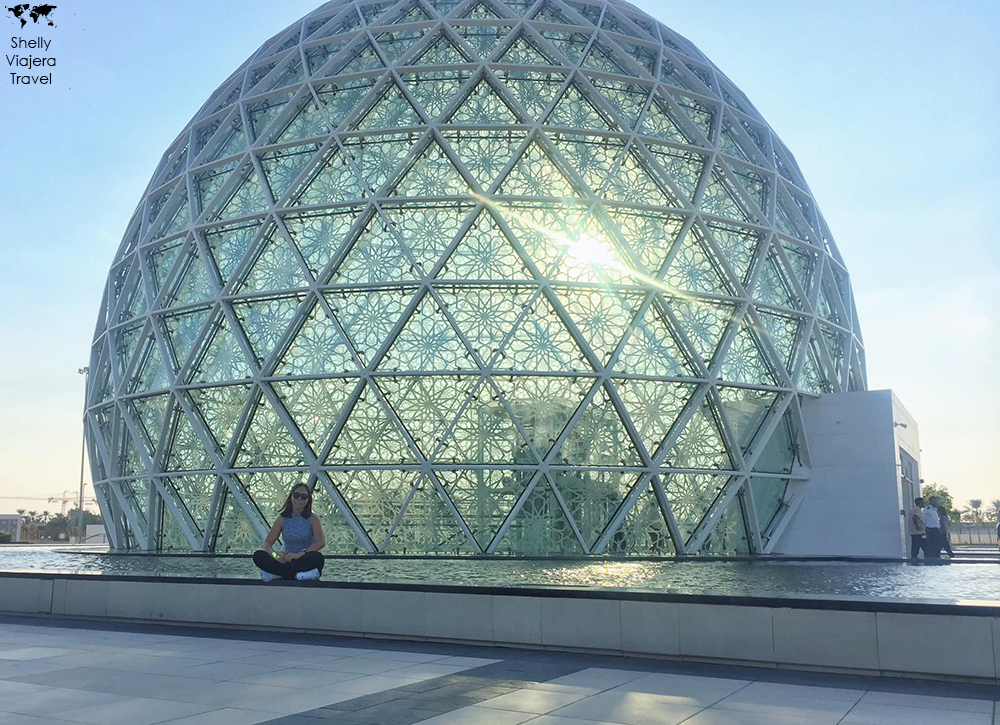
{"points": [[891, 109]]}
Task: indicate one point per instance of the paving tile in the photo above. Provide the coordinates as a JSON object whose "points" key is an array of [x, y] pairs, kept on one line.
{"points": [[879, 714], [370, 683], [134, 711], [225, 716], [556, 720], [317, 697], [363, 665], [929, 701], [598, 677], [733, 717], [225, 671], [628, 708], [479, 716], [54, 701], [9, 688], [787, 705], [230, 694], [299, 678], [428, 670], [537, 701], [36, 653], [16, 719], [779, 689], [466, 661], [405, 656]]}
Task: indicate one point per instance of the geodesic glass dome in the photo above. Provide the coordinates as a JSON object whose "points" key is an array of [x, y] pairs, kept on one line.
{"points": [[513, 278]]}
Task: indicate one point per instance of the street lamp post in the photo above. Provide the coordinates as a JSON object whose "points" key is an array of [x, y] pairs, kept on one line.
{"points": [[80, 538]]}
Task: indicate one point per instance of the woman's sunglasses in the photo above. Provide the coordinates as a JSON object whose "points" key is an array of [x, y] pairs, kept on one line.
{"points": [[301, 496]]}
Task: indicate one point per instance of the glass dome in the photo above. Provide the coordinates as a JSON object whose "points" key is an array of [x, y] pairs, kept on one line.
{"points": [[510, 278]]}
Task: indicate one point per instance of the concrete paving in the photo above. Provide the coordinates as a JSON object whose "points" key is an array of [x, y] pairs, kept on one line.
{"points": [[64, 671]]}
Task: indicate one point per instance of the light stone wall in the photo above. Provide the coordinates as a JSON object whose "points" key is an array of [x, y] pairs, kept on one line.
{"points": [[769, 635], [853, 503]]}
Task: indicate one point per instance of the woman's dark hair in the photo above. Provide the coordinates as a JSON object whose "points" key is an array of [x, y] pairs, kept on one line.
{"points": [[286, 509]]}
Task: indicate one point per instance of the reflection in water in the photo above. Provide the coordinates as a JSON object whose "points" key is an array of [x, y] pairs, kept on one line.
{"points": [[765, 578]]}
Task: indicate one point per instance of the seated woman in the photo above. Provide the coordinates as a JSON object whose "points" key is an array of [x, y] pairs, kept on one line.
{"points": [[303, 537]]}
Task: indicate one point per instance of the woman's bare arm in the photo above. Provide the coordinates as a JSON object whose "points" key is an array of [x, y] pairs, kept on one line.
{"points": [[320, 539], [273, 534]]}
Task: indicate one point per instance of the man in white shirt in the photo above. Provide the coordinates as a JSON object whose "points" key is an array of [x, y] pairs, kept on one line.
{"points": [[932, 524], [916, 528]]}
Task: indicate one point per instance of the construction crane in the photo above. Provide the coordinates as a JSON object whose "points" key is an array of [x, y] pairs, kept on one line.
{"points": [[68, 497]]}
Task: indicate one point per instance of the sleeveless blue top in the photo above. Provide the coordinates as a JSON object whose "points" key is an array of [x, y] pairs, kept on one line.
{"points": [[297, 534]]}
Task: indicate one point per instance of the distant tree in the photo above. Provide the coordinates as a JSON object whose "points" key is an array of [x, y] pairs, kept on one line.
{"points": [[6, 538], [88, 518], [995, 505], [973, 512], [944, 499]]}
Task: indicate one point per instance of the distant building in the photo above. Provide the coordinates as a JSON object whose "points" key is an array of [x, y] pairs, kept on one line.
{"points": [[11, 524]]}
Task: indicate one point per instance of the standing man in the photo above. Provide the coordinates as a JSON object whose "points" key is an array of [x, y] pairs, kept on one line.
{"points": [[915, 525], [932, 525]]}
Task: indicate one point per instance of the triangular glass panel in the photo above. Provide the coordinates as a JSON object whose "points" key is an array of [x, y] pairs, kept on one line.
{"points": [[315, 405], [427, 526], [574, 110], [643, 56], [756, 185], [650, 236], [700, 445], [745, 361], [604, 59], [427, 230], [391, 110], [187, 452], [395, 44], [442, 52], [522, 50], [444, 6], [602, 317], [592, 157], [704, 323], [781, 450], [774, 286], [319, 235], [223, 359], [427, 404], [567, 42], [361, 59], [691, 497], [267, 442], [427, 342], [340, 538], [632, 183], [152, 413], [151, 373], [265, 321], [541, 527], [331, 181], [653, 407], [485, 434], [221, 408], [534, 175], [182, 331], [162, 259], [195, 494], [369, 436], [411, 13], [627, 98], [126, 343], [376, 497], [269, 489], [274, 269], [482, 38], [684, 168], [229, 244], [729, 536], [248, 198], [432, 174], [587, 11], [178, 218], [192, 283], [745, 409], [318, 55], [282, 167], [597, 438], [485, 153], [484, 497], [783, 332], [535, 90], [543, 405], [236, 533], [375, 256], [308, 122], [483, 107], [369, 317], [737, 244], [644, 532], [342, 97], [541, 342], [207, 183], [317, 348], [593, 497], [485, 315], [434, 89], [548, 12], [803, 262], [700, 114], [768, 495], [480, 11], [695, 268], [229, 141], [652, 349], [377, 157], [661, 122], [484, 253], [812, 379], [544, 230]]}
